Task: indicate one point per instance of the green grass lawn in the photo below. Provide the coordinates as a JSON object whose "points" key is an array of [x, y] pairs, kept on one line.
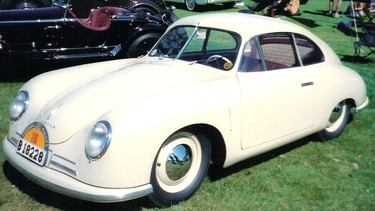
{"points": [[305, 175]]}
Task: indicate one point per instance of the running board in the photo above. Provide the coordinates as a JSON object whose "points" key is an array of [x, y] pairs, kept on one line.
{"points": [[72, 55]]}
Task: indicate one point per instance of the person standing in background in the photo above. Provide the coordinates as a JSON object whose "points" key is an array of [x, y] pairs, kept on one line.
{"points": [[338, 8]]}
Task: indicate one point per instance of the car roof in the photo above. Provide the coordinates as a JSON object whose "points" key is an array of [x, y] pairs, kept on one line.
{"points": [[249, 25], [245, 24]]}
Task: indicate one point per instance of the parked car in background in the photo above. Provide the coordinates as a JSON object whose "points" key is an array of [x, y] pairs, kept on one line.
{"points": [[193, 4], [208, 93], [152, 6], [56, 34]]}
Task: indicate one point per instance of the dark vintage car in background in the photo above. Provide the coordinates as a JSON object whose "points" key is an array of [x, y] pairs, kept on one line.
{"points": [[56, 34], [152, 6]]}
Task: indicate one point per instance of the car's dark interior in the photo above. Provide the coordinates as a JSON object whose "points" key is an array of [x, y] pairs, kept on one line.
{"points": [[99, 19]]}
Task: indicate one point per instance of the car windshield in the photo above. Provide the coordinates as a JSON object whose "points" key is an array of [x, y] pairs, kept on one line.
{"points": [[207, 46]]}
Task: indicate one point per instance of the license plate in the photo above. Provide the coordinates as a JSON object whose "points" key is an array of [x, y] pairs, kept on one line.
{"points": [[34, 143], [31, 152]]}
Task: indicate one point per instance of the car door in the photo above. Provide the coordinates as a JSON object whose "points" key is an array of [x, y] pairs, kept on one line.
{"points": [[279, 96]]}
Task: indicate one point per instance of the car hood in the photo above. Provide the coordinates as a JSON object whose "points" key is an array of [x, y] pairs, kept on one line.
{"points": [[85, 102]]}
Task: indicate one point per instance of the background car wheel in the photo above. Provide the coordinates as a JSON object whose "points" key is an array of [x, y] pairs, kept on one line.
{"points": [[179, 168], [142, 45], [190, 4], [229, 4], [24, 4], [152, 11], [336, 122]]}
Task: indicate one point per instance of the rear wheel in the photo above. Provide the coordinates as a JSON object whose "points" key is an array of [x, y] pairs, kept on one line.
{"points": [[142, 45], [179, 168], [336, 122], [152, 11], [24, 4]]}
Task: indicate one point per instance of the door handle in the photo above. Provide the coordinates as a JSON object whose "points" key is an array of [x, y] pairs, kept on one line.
{"points": [[310, 83]]}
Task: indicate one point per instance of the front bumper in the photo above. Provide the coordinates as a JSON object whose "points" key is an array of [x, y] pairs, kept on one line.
{"points": [[61, 183]]}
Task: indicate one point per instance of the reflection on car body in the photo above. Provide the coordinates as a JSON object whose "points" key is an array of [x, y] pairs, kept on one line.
{"points": [[82, 7], [208, 93]]}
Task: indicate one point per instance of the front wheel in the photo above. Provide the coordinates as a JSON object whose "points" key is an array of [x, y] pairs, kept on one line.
{"points": [[179, 168], [336, 122]]}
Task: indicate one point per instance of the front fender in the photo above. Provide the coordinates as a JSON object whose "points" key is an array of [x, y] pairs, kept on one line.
{"points": [[140, 127]]}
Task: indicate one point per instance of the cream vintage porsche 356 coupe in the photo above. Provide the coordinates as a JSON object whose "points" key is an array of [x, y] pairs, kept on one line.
{"points": [[208, 93]]}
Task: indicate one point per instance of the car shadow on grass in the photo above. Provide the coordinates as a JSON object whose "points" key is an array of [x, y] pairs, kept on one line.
{"points": [[357, 59], [307, 22], [62, 202], [216, 173]]}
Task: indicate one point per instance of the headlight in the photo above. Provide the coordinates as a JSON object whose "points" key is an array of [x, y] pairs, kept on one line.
{"points": [[19, 105], [99, 139]]}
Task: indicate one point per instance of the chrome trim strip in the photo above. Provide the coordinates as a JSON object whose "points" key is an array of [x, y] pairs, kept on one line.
{"points": [[13, 141], [362, 106], [64, 168], [19, 134], [63, 158], [307, 84], [39, 21]]}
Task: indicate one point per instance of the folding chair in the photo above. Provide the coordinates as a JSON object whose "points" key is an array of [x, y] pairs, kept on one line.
{"points": [[368, 14], [367, 39]]}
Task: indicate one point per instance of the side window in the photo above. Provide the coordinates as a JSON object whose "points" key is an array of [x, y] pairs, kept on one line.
{"points": [[250, 61], [220, 40], [309, 52], [196, 44], [278, 51]]}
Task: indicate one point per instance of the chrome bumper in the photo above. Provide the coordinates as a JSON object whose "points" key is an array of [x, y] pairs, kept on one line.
{"points": [[61, 183], [362, 106]]}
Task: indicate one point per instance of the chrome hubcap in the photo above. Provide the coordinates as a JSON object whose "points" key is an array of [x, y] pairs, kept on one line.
{"points": [[336, 117], [178, 162]]}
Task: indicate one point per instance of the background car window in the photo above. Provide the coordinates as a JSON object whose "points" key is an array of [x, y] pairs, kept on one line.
{"points": [[309, 52], [278, 51]]}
